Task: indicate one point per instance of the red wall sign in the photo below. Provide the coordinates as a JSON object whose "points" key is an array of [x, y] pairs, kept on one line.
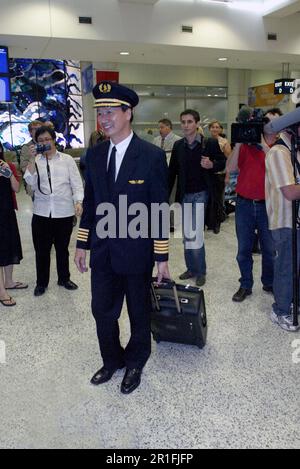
{"points": [[103, 75]]}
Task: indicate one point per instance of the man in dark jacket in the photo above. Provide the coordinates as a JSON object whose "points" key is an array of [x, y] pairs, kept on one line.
{"points": [[122, 170], [194, 161]]}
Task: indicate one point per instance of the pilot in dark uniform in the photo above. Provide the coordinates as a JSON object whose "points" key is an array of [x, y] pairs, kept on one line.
{"points": [[120, 172]]}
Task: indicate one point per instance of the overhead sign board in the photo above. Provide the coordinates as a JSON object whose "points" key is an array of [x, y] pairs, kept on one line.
{"points": [[284, 86]]}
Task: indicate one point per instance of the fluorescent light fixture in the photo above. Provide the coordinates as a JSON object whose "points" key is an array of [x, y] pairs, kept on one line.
{"points": [[124, 53], [223, 59], [219, 1]]}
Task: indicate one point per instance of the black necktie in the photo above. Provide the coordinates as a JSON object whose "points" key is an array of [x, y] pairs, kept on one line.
{"points": [[111, 171]]}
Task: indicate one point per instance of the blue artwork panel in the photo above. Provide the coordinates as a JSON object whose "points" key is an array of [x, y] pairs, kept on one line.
{"points": [[73, 80], [76, 135], [87, 79], [75, 108], [72, 63], [43, 90]]}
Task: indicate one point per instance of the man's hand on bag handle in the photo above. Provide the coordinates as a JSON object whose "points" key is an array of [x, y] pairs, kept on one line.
{"points": [[162, 271], [80, 260]]}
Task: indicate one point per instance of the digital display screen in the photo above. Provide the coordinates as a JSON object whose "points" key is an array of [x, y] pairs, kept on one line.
{"points": [[3, 60], [4, 89], [5, 94]]}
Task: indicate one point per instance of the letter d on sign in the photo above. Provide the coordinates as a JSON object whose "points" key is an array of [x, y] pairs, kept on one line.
{"points": [[2, 352]]}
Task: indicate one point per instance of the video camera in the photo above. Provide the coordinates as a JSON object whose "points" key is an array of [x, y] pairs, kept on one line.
{"points": [[41, 148], [249, 127]]}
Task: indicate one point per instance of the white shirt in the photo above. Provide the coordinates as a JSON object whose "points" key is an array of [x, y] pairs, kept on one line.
{"points": [[67, 188], [120, 153], [169, 141]]}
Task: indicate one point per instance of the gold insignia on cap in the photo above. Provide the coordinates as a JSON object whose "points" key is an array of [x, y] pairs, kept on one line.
{"points": [[105, 88]]}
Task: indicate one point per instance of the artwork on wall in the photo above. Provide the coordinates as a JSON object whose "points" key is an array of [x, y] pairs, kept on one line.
{"points": [[47, 90]]}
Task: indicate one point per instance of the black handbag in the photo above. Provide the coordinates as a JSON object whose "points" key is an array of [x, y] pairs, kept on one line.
{"points": [[178, 313]]}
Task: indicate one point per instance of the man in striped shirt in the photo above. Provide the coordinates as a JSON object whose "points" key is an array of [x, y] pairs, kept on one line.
{"points": [[281, 189]]}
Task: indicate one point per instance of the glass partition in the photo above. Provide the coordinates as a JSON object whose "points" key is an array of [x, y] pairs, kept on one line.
{"points": [[163, 101]]}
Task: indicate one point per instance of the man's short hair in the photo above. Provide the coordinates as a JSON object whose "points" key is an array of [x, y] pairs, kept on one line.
{"points": [[274, 111], [34, 124], [192, 112], [166, 122], [125, 108], [42, 130]]}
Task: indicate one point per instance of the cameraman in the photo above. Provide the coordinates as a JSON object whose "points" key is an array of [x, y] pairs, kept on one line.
{"points": [[250, 213], [281, 190], [58, 194]]}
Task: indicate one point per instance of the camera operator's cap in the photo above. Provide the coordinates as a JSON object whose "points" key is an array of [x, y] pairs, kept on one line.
{"points": [[109, 94]]}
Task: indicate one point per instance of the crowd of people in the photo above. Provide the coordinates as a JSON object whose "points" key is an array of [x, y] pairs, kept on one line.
{"points": [[117, 163]]}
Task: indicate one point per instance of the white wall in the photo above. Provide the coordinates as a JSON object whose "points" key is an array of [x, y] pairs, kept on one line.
{"points": [[166, 75], [263, 77]]}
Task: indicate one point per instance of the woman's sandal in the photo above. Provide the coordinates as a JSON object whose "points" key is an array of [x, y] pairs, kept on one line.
{"points": [[8, 302], [18, 286]]}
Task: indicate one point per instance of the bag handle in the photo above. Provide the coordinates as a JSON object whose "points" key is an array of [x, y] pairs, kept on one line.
{"points": [[170, 283]]}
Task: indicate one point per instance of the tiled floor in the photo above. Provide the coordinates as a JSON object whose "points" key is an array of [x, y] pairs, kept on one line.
{"points": [[242, 390]]}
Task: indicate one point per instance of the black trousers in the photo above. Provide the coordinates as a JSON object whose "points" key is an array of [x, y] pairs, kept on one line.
{"points": [[215, 213], [45, 233], [108, 292]]}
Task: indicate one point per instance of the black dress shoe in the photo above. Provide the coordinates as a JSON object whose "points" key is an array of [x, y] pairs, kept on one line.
{"points": [[186, 275], [200, 281], [241, 294], [268, 288], [131, 380], [103, 375], [39, 291], [69, 285], [217, 229]]}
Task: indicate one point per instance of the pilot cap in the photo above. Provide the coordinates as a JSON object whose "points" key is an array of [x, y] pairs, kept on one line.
{"points": [[110, 94]]}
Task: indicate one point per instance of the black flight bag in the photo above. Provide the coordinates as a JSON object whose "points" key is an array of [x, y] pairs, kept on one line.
{"points": [[178, 313]]}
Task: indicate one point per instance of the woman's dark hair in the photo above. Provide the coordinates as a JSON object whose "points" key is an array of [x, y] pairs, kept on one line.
{"points": [[43, 130], [2, 152]]}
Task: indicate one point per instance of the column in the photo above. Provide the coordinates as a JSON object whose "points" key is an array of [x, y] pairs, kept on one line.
{"points": [[238, 84]]}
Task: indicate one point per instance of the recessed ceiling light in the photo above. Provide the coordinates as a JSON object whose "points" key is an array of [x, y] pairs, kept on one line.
{"points": [[124, 53], [222, 59]]}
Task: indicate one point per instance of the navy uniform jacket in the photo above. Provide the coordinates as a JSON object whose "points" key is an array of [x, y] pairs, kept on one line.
{"points": [[143, 177]]}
